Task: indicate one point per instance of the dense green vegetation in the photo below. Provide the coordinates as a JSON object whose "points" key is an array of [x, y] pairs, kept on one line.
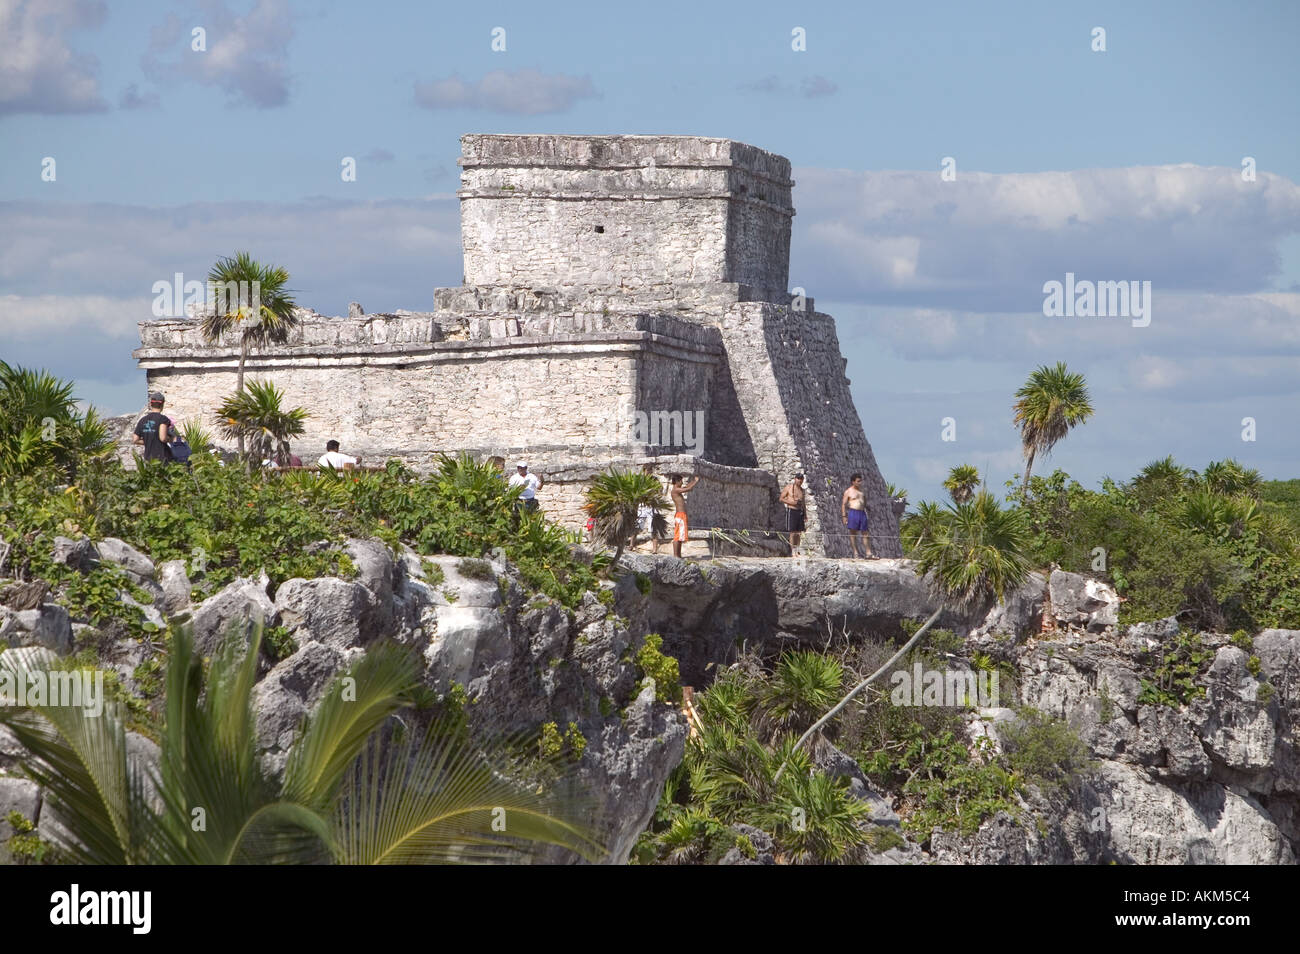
{"points": [[42, 427], [225, 522], [1218, 549], [749, 719]]}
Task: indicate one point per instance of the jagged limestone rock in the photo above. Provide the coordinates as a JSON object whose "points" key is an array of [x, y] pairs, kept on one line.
{"points": [[235, 610], [326, 610], [139, 568], [176, 587]]}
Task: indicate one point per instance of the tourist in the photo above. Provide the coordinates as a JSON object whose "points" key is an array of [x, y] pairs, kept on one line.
{"points": [[681, 527], [531, 483], [499, 465], [796, 504], [853, 510], [333, 460], [283, 458], [154, 431], [646, 515]]}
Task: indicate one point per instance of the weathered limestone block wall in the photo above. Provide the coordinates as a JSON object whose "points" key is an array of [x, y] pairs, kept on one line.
{"points": [[790, 387], [622, 212], [506, 380]]}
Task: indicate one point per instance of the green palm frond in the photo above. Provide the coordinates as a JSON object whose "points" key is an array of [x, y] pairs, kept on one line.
{"points": [[925, 524], [1228, 478], [443, 799], [82, 764], [348, 793], [615, 499], [802, 685], [41, 425], [979, 553], [961, 483], [354, 707], [256, 416], [270, 318]]}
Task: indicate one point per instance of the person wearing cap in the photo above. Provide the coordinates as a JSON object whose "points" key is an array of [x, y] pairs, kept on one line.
{"points": [[154, 431], [531, 483], [795, 501]]}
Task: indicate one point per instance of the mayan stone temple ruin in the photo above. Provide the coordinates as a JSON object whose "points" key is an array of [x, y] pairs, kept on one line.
{"points": [[624, 303]]}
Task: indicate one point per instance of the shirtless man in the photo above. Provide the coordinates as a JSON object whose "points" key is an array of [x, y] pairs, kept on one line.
{"points": [[853, 510], [678, 491], [795, 511]]}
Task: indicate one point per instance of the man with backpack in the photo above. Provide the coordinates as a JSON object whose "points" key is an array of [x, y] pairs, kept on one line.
{"points": [[155, 431]]}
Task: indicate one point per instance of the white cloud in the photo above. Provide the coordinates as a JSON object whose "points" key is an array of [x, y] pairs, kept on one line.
{"points": [[988, 242], [523, 92], [49, 317], [39, 70], [246, 55]]}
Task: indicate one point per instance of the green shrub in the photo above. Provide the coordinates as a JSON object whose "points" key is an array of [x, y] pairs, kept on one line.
{"points": [[433, 573], [552, 743], [224, 522], [1173, 545], [475, 569], [277, 643], [941, 641], [25, 846], [1044, 750], [652, 663], [881, 838], [1175, 672]]}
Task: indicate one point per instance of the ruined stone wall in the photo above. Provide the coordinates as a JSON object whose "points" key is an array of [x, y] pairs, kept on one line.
{"points": [[623, 212], [726, 497], [508, 381]]}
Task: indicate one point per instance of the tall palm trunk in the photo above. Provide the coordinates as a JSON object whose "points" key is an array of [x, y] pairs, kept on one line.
{"points": [[1029, 466], [239, 380]]}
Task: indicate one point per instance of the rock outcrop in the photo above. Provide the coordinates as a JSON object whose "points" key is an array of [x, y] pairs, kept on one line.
{"points": [[1203, 775]]}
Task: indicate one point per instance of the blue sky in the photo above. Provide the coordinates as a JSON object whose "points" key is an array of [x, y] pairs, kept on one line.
{"points": [[1116, 165]]}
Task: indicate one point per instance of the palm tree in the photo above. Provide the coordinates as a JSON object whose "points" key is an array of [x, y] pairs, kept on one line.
{"points": [[255, 415], [802, 684], [1229, 479], [348, 794], [916, 528], [266, 315], [977, 554], [40, 424], [1051, 402], [961, 483], [615, 499]]}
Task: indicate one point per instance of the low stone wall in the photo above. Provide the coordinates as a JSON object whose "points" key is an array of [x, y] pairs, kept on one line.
{"points": [[726, 497]]}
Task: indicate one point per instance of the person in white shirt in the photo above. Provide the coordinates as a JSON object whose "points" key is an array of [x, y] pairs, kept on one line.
{"points": [[531, 483], [333, 460]]}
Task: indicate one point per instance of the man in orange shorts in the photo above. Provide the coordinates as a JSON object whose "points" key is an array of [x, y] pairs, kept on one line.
{"points": [[678, 493]]}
